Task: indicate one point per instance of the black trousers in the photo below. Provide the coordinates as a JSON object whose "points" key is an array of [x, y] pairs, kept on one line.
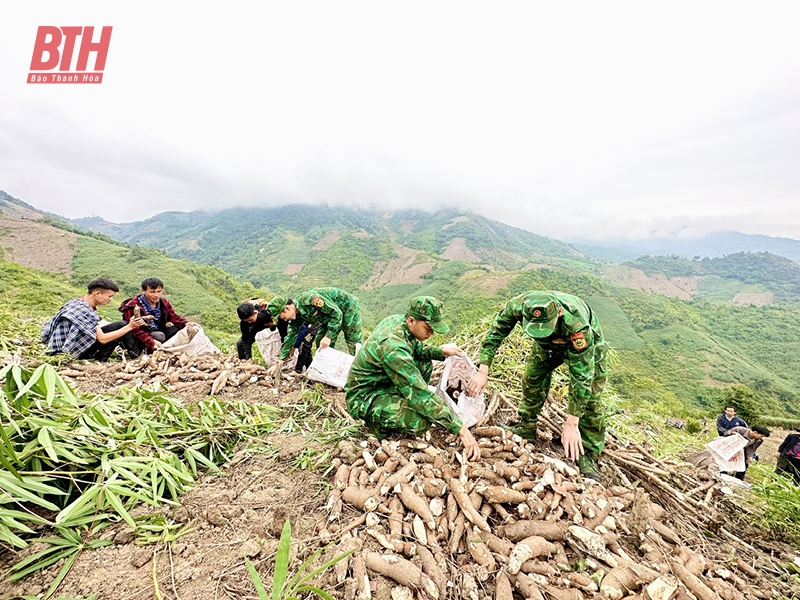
{"points": [[102, 352], [159, 336], [788, 465]]}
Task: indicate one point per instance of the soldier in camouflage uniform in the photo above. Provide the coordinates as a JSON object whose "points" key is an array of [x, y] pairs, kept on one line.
{"points": [[388, 382], [564, 329], [334, 310]]}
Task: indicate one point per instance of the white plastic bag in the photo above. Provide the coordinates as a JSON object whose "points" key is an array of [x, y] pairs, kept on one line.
{"points": [[728, 452], [458, 370], [330, 366], [191, 340], [269, 344]]}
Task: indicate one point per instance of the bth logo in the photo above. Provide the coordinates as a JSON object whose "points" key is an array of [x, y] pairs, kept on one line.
{"points": [[55, 47]]}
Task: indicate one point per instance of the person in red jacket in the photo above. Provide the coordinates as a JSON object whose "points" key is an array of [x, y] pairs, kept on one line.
{"points": [[162, 320]]}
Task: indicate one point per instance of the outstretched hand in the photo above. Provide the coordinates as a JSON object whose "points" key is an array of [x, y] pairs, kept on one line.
{"points": [[275, 368], [324, 342], [571, 438], [478, 382], [471, 449]]}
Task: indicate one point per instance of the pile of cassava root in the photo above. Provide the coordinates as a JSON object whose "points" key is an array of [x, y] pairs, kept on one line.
{"points": [[423, 523], [178, 372]]}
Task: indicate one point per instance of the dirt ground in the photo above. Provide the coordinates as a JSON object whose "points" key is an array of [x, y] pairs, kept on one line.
{"points": [[457, 249], [37, 246]]}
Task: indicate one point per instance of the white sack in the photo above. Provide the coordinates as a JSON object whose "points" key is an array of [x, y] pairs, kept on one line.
{"points": [[469, 409], [330, 366], [191, 341], [728, 452], [269, 344]]}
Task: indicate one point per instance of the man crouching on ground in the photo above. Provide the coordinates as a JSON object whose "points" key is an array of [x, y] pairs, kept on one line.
{"points": [[388, 382]]}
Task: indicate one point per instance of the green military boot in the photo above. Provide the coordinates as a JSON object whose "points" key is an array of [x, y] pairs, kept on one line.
{"points": [[524, 430], [587, 464]]}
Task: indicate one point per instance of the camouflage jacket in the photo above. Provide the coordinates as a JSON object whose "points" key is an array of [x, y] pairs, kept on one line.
{"points": [[385, 365], [325, 306], [577, 337]]}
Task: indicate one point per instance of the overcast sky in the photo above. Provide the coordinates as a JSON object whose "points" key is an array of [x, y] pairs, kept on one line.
{"points": [[576, 120]]}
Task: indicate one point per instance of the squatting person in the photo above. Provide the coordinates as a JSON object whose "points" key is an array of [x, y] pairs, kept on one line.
{"points": [[75, 329], [388, 382]]}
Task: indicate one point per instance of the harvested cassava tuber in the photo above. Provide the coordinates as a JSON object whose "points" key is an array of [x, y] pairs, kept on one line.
{"points": [[499, 494], [628, 578], [502, 588], [401, 571], [361, 498], [415, 504], [526, 586], [549, 530], [692, 582], [531, 547]]}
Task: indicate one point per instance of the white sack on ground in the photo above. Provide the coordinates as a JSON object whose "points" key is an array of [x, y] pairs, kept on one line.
{"points": [[191, 340], [330, 366]]}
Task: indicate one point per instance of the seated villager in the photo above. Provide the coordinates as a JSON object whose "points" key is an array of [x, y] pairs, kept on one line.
{"points": [[254, 318], [388, 382], [161, 320], [75, 329]]}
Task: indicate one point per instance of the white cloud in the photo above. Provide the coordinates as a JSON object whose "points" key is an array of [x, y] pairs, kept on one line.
{"points": [[582, 121]]}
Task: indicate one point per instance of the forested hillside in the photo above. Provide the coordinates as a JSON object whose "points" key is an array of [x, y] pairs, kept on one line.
{"points": [[682, 355]]}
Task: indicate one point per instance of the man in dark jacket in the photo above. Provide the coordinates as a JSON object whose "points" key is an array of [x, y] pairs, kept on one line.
{"points": [[253, 318], [162, 320], [728, 420]]}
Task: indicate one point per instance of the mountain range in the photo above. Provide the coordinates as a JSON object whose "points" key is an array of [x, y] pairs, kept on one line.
{"points": [[684, 330]]}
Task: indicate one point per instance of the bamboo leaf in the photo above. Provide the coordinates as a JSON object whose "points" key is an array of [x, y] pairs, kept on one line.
{"points": [[40, 560], [33, 379], [50, 384], [29, 493], [63, 573], [47, 443], [114, 501], [79, 507]]}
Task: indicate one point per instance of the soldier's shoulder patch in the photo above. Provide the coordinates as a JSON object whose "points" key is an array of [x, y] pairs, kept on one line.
{"points": [[318, 302], [579, 341]]}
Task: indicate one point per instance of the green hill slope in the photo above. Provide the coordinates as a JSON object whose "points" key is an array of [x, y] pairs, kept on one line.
{"points": [[736, 274], [292, 246]]}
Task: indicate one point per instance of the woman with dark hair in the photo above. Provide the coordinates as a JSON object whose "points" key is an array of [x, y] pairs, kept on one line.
{"points": [[789, 457]]}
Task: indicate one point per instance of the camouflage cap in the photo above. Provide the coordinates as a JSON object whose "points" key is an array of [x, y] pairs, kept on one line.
{"points": [[276, 305], [539, 318], [429, 309]]}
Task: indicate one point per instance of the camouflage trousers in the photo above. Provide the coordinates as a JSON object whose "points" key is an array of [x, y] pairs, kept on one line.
{"points": [[389, 413], [351, 328], [536, 386]]}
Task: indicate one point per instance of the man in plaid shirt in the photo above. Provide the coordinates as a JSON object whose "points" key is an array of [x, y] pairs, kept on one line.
{"points": [[75, 329]]}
